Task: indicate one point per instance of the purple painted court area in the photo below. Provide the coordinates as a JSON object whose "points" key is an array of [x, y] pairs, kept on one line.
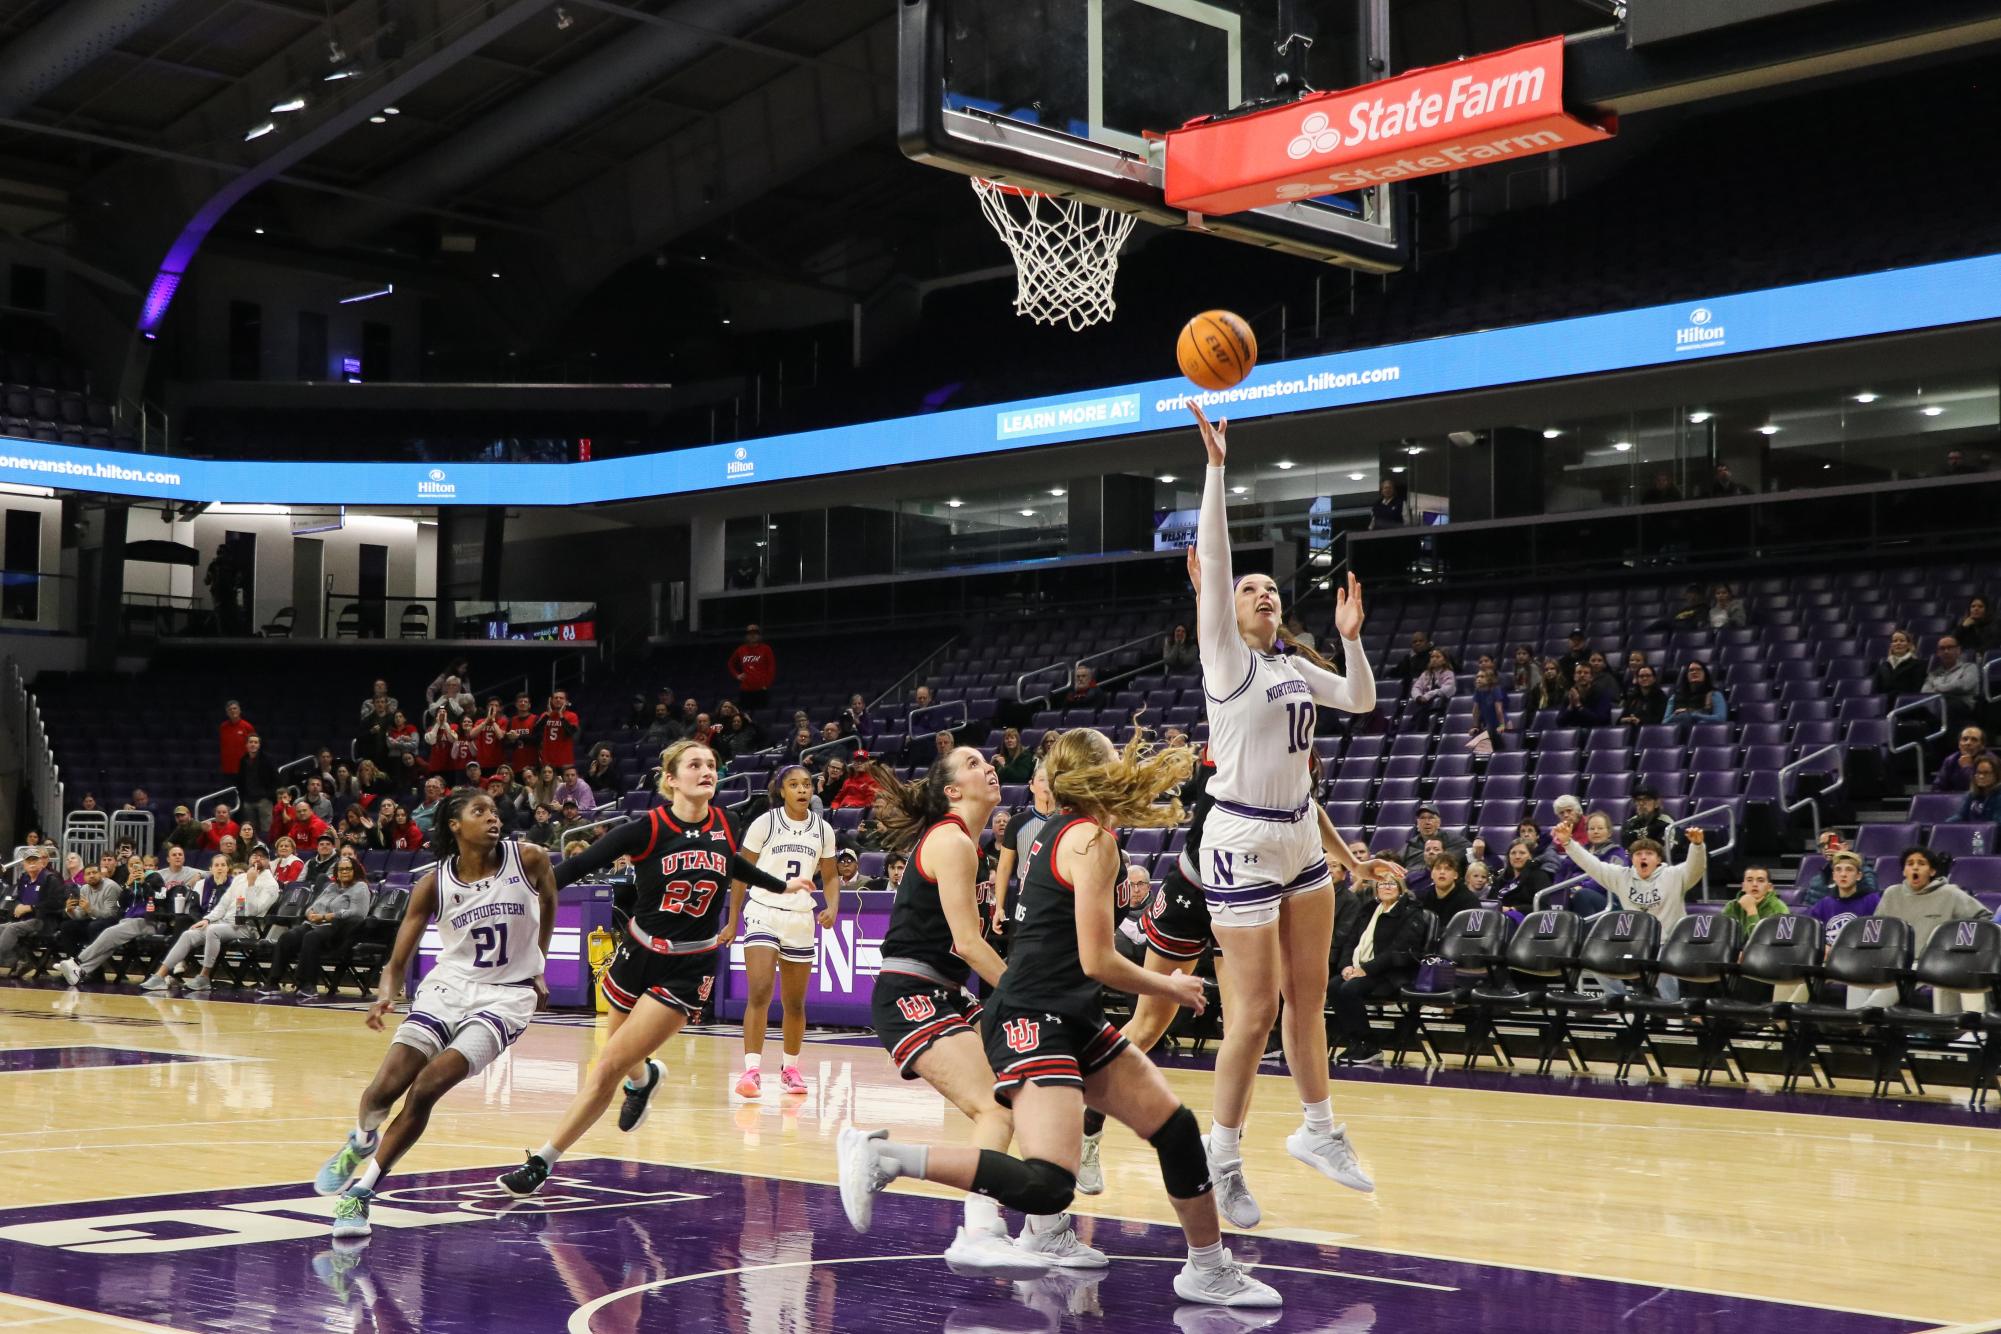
{"points": [[26, 1060], [616, 1247]]}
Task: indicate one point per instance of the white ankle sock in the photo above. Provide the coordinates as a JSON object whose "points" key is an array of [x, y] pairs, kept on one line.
{"points": [[1206, 1257], [650, 1077], [981, 1213], [370, 1174], [1223, 1141], [902, 1160], [362, 1138], [1320, 1115], [1043, 1224], [753, 1060], [549, 1154], [791, 1060]]}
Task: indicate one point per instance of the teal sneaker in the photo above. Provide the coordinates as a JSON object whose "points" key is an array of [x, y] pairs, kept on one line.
{"points": [[339, 1171], [350, 1220]]}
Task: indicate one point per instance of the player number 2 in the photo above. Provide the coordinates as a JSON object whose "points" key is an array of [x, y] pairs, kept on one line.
{"points": [[1298, 727], [489, 940]]}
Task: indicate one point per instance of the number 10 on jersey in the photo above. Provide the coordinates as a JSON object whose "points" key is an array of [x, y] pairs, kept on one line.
{"points": [[1299, 715]]}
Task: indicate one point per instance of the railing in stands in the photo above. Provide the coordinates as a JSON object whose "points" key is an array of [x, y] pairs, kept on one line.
{"points": [[208, 799], [1729, 844], [1546, 898], [1987, 676], [559, 673], [915, 676], [811, 753], [1090, 659], [941, 710], [1812, 803], [40, 773], [1916, 746], [1021, 694]]}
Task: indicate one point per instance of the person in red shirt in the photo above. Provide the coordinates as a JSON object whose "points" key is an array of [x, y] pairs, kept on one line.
{"points": [[558, 733], [523, 735], [451, 747], [306, 826], [219, 828], [287, 867], [234, 732], [754, 668], [489, 736]]}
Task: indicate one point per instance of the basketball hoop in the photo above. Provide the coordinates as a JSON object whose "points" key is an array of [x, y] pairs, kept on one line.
{"points": [[1066, 252]]}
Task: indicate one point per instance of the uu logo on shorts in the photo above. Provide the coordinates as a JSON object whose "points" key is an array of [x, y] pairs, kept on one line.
{"points": [[1022, 1034], [708, 984], [915, 1008]]}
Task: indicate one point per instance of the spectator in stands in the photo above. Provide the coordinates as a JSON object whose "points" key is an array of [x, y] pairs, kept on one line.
{"points": [[921, 697], [856, 790], [574, 791], [1661, 489], [847, 865], [827, 784], [234, 849], [405, 742], [1956, 773], [434, 796], [1585, 704], [663, 729], [33, 907], [1954, 679], [285, 864], [1755, 900], [572, 823], [1975, 632], [540, 785], [753, 666], [187, 833], [1527, 671], [370, 785], [557, 736], [1431, 691], [234, 733], [1724, 608], [379, 700], [330, 921], [1956, 464], [602, 775], [488, 734], [524, 730], [854, 719], [1722, 485], [738, 737], [1634, 661], [1479, 879], [1295, 633], [942, 745], [1646, 821], [356, 830], [1427, 826], [1578, 653], [1418, 661], [316, 798], [1599, 841], [346, 789], [1083, 692], [453, 696], [1982, 802], [1644, 702], [1848, 889], [1900, 673], [450, 748], [1178, 653], [1522, 878], [454, 678], [90, 911], [137, 907], [892, 871], [72, 869], [1822, 884], [1391, 509], [1448, 896], [1650, 885], [371, 738], [542, 833], [1015, 762], [1490, 705], [1926, 901], [306, 826], [1382, 960], [1696, 699], [220, 825]]}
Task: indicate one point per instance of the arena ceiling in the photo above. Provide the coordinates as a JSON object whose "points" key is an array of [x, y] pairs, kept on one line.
{"points": [[749, 140]]}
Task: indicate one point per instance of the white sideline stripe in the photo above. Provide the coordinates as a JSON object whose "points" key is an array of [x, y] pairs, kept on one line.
{"points": [[97, 1317]]}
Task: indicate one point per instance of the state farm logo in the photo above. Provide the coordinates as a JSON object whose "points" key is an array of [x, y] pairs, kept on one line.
{"points": [[741, 465], [1316, 135], [435, 485], [1701, 331]]}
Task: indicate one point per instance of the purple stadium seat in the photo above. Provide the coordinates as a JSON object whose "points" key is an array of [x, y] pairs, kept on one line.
{"points": [[1554, 785], [1977, 875], [1508, 763], [1878, 733], [1327, 749], [1145, 842], [1934, 807], [1809, 711], [1609, 738], [1455, 814], [1607, 762], [1713, 785], [1810, 736], [1499, 812], [1608, 787], [1505, 787], [1350, 789], [1400, 815], [1386, 841], [1365, 749], [1346, 815], [1410, 743], [1660, 761], [1713, 757], [1766, 711], [1404, 766], [1859, 708], [1878, 840], [1658, 736], [1766, 757], [1454, 789], [1957, 841], [1709, 734], [1398, 790], [1458, 765]]}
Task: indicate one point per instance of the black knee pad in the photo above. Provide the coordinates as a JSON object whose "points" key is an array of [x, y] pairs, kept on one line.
{"points": [[1184, 1165], [1032, 1185]]}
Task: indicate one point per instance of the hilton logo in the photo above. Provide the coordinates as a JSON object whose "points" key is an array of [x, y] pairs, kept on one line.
{"points": [[741, 466], [435, 485], [1700, 331]]}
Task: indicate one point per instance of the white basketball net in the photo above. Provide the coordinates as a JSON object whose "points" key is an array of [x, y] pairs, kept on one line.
{"points": [[1066, 252]]}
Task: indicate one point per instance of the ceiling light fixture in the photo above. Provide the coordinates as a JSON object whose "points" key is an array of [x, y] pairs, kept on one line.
{"points": [[954, 504], [1931, 412], [1055, 490], [1550, 433], [1355, 476], [1028, 514], [1168, 478], [1398, 468], [258, 131], [350, 72], [289, 104], [1622, 446], [494, 274], [378, 120], [1413, 450], [1238, 490], [392, 111], [1866, 397], [258, 230], [1698, 417], [1768, 429], [1285, 465]]}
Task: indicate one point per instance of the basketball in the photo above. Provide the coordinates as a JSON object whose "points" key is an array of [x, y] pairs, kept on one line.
{"points": [[1216, 349]]}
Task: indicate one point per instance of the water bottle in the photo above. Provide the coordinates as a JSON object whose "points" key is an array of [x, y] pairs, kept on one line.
{"points": [[1979, 844]]}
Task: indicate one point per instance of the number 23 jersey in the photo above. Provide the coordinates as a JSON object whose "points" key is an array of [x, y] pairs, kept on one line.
{"points": [[681, 874], [491, 929]]}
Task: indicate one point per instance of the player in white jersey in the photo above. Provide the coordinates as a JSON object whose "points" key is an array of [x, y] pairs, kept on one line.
{"points": [[1263, 867], [495, 904], [793, 842]]}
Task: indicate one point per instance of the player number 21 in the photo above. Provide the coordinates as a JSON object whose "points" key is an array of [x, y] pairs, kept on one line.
{"points": [[489, 941], [1298, 727]]}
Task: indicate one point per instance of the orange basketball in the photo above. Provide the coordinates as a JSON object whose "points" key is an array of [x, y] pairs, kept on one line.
{"points": [[1216, 349]]}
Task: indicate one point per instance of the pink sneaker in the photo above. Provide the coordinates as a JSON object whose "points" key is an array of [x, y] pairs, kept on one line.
{"points": [[750, 1084], [793, 1081]]}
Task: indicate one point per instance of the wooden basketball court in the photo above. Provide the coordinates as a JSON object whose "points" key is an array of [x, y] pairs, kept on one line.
{"points": [[158, 1152]]}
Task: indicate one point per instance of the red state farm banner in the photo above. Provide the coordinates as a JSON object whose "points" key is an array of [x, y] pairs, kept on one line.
{"points": [[1488, 109]]}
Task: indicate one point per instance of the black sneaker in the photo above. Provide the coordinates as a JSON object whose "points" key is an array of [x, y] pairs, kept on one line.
{"points": [[526, 1179], [632, 1111], [1362, 1054]]}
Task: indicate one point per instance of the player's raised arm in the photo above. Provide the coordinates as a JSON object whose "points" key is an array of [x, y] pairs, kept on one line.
{"points": [[1225, 659]]}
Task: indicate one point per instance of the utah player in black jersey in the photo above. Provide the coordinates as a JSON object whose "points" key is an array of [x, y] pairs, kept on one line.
{"points": [[683, 860], [1047, 1038], [925, 1018]]}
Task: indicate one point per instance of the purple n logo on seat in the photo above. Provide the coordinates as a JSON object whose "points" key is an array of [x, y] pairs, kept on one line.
{"points": [[1786, 928], [1964, 935], [1704, 927], [1872, 931]]}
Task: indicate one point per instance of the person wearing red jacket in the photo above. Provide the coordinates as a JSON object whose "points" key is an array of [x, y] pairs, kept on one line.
{"points": [[558, 733], [218, 828], [524, 730], [306, 826], [235, 731], [489, 736], [754, 667]]}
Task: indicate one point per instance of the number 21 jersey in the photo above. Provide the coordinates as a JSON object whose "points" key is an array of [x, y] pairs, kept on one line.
{"points": [[491, 929]]}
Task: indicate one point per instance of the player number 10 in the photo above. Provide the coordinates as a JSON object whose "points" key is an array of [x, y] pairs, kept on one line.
{"points": [[1298, 727]]}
